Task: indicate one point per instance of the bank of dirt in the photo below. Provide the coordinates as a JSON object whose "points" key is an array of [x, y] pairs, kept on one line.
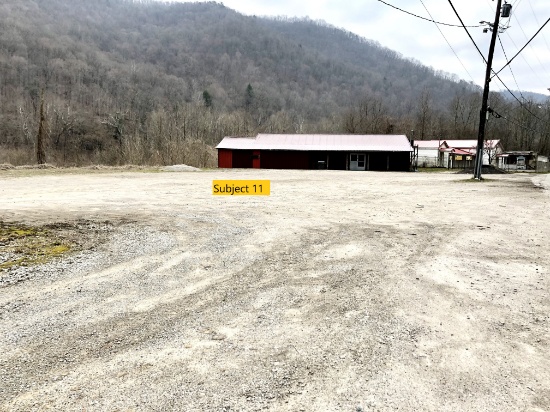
{"points": [[342, 291]]}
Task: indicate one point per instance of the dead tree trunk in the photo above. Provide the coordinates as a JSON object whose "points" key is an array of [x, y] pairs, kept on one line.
{"points": [[40, 154]]}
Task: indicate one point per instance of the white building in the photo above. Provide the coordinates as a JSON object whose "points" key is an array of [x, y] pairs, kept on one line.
{"points": [[429, 153], [454, 154]]}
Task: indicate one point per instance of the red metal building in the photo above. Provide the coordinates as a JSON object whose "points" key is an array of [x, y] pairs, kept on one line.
{"points": [[334, 152]]}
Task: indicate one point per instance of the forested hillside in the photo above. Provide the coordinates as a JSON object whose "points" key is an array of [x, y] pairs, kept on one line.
{"points": [[119, 81]]}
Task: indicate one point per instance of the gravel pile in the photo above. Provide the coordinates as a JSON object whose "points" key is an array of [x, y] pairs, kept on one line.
{"points": [[180, 168]]}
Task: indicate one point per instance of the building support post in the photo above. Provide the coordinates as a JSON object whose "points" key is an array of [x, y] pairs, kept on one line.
{"points": [[484, 104]]}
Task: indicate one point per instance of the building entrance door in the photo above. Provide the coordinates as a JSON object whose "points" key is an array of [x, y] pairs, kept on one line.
{"points": [[357, 161]]}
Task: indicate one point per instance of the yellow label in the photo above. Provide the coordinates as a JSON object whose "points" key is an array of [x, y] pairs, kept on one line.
{"points": [[241, 187]]}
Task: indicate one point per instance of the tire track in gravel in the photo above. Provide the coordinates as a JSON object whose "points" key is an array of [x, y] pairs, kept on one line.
{"points": [[302, 313], [300, 294], [484, 314]]}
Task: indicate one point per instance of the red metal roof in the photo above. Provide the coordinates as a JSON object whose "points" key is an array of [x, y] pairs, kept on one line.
{"points": [[463, 152], [320, 142]]}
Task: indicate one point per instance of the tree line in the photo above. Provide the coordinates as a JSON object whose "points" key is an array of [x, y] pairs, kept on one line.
{"points": [[120, 81]]}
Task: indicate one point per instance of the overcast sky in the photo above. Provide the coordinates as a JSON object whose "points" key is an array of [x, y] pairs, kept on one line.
{"points": [[419, 39]]}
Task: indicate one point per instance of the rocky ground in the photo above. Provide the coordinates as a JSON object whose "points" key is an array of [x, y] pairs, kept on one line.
{"points": [[342, 291]]}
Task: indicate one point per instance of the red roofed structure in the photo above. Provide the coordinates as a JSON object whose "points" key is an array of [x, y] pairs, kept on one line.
{"points": [[316, 151], [455, 154]]}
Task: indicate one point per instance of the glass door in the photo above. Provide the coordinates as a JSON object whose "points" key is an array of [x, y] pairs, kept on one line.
{"points": [[357, 161]]}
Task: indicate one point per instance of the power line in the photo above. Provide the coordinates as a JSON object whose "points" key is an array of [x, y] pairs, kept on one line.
{"points": [[496, 74], [497, 115], [535, 35], [420, 17], [513, 95], [526, 62], [516, 98], [526, 38], [489, 5], [537, 20], [469, 35], [516, 4], [510, 67], [437, 25]]}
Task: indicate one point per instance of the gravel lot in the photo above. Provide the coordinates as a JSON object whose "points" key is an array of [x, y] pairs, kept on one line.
{"points": [[342, 291]]}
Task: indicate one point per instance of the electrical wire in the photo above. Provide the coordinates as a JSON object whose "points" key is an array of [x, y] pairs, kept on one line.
{"points": [[465, 28], [496, 74], [520, 102], [510, 67], [491, 7], [537, 20], [526, 38], [525, 60], [497, 115], [516, 3], [438, 28], [420, 17], [502, 26], [535, 35]]}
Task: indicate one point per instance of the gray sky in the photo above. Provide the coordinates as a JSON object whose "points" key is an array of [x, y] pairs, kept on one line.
{"points": [[421, 40]]}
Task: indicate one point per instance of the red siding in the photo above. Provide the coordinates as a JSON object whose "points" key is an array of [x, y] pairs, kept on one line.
{"points": [[256, 159], [225, 158], [282, 159]]}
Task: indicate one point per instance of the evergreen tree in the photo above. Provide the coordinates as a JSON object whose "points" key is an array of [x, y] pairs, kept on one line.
{"points": [[249, 97], [207, 98]]}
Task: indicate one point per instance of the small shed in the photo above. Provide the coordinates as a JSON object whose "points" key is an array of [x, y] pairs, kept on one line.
{"points": [[517, 160], [334, 152], [461, 159]]}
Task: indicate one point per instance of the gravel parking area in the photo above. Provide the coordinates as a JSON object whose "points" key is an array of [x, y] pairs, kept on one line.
{"points": [[342, 291]]}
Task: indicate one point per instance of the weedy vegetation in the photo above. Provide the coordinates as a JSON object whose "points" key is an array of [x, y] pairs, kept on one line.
{"points": [[23, 245]]}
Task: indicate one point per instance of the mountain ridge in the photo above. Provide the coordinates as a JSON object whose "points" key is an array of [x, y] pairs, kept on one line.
{"points": [[131, 80]]}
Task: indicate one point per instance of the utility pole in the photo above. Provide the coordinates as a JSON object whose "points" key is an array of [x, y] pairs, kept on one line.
{"points": [[484, 105]]}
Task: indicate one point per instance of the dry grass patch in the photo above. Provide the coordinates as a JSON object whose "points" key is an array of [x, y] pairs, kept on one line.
{"points": [[22, 245], [27, 245]]}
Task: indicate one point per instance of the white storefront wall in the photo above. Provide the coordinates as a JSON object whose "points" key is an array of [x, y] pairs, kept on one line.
{"points": [[428, 157]]}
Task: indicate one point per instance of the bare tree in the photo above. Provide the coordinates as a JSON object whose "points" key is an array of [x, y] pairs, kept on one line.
{"points": [[116, 124], [40, 153], [425, 113], [490, 149]]}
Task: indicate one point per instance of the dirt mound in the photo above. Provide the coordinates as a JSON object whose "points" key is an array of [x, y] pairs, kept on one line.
{"points": [[485, 170], [180, 168], [119, 168]]}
